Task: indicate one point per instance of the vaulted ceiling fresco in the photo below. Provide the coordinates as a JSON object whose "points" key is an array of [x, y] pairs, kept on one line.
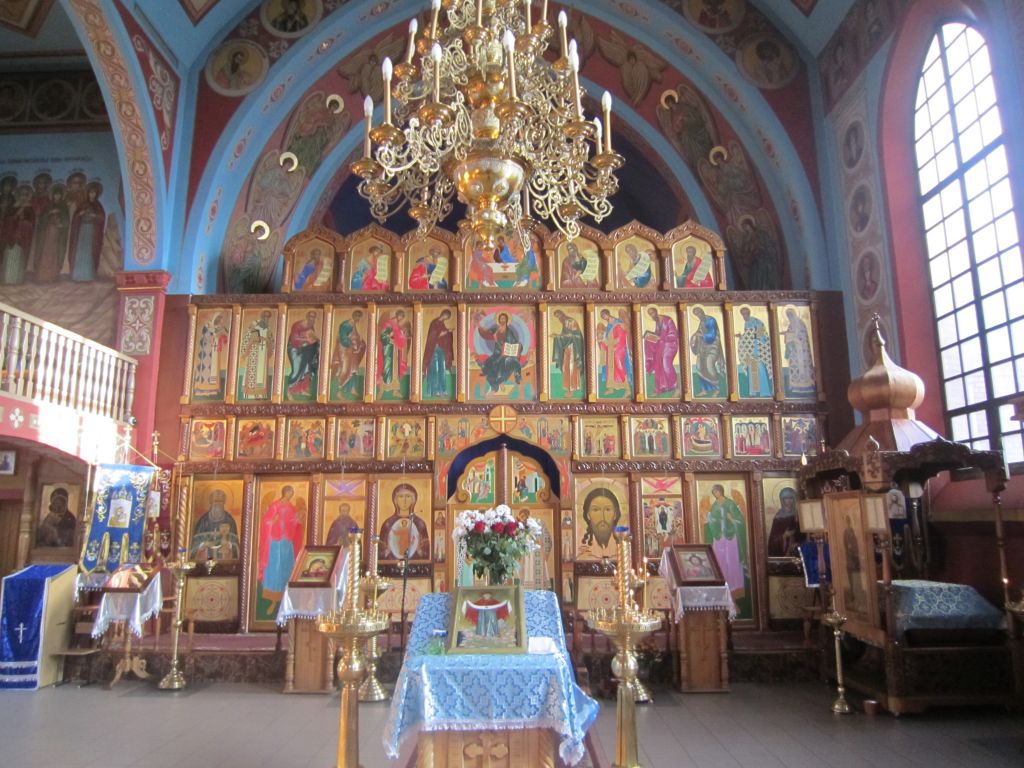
{"points": [[713, 98]]}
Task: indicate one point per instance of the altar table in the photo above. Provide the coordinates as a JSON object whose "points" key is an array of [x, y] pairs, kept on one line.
{"points": [[133, 609], [514, 707]]}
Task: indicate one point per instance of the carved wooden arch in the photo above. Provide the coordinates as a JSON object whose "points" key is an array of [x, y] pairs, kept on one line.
{"points": [[557, 239], [293, 247], [623, 233], [372, 231], [450, 240], [691, 228], [118, 73]]}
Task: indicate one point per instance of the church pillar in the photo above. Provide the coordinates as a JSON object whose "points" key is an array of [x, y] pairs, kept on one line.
{"points": [[26, 523], [140, 319]]}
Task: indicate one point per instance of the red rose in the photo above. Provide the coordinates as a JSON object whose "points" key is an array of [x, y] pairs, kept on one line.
{"points": [[511, 528], [480, 527], [498, 527]]}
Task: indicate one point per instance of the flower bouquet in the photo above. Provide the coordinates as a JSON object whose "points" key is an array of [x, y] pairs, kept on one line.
{"points": [[494, 541]]}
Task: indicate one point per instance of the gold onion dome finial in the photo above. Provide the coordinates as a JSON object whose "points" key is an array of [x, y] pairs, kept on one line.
{"points": [[885, 390]]}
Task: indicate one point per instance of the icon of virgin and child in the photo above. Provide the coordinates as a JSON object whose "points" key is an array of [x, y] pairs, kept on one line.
{"points": [[404, 534]]}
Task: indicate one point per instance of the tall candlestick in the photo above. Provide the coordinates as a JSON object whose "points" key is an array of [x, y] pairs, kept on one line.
{"points": [[574, 65], [529, 14], [435, 8], [563, 22], [386, 70], [435, 55], [509, 41], [606, 106], [413, 27], [368, 113]]}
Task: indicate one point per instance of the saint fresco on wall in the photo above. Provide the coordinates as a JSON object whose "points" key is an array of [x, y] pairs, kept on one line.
{"points": [[502, 353], [722, 509], [636, 264], [578, 265], [394, 353], [356, 438], [601, 506], [369, 266], [567, 365], [255, 439], [693, 264], [798, 370], [215, 521], [659, 327], [752, 351], [257, 354], [510, 265], [348, 355], [612, 348], [344, 508], [708, 371], [279, 535], [437, 353], [210, 353], [702, 436], [403, 512], [302, 354], [429, 265], [236, 67]]}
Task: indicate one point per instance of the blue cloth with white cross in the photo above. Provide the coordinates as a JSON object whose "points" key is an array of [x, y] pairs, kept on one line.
{"points": [[22, 598]]}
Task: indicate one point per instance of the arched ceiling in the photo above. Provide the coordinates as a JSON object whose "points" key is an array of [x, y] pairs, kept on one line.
{"points": [[665, 61]]}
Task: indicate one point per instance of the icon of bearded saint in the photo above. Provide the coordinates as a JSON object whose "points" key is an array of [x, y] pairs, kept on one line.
{"points": [[601, 513]]}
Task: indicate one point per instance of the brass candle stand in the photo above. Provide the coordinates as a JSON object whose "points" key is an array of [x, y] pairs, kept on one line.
{"points": [[373, 587], [351, 625], [174, 680], [625, 625], [836, 620]]}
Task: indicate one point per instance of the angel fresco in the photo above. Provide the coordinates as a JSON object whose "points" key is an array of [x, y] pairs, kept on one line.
{"points": [[313, 131]]}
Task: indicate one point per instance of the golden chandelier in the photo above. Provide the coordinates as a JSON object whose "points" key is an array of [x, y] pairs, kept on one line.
{"points": [[476, 110]]}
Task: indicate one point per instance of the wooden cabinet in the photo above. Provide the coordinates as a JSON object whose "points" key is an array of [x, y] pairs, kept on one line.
{"points": [[310, 665], [703, 653]]}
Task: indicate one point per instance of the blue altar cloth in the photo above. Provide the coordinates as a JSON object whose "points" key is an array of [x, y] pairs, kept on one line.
{"points": [[919, 604], [468, 692]]}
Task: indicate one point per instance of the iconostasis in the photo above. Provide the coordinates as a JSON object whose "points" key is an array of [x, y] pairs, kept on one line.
{"points": [[394, 381]]}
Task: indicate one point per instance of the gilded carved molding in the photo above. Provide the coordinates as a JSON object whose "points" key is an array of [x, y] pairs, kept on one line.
{"points": [[126, 114]]}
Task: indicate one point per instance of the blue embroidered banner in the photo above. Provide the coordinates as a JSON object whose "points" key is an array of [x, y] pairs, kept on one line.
{"points": [[118, 516], [21, 625]]}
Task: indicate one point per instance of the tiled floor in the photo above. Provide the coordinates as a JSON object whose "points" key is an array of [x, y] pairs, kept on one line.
{"points": [[247, 726]]}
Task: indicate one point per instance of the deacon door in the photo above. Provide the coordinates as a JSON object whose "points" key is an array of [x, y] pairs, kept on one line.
{"points": [[507, 476]]}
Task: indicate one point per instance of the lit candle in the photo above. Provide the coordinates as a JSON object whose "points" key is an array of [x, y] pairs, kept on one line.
{"points": [[368, 113], [563, 22], [574, 65], [479, 13], [435, 55], [606, 106], [544, 12], [386, 70], [529, 14], [509, 41], [435, 7], [597, 134], [413, 27]]}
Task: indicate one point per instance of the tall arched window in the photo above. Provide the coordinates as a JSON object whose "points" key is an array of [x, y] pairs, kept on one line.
{"points": [[972, 242]]}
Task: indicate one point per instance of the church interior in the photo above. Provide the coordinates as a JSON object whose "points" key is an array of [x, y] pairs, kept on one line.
{"points": [[721, 301]]}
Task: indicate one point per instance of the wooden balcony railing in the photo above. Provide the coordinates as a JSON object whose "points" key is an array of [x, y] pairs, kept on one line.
{"points": [[44, 362]]}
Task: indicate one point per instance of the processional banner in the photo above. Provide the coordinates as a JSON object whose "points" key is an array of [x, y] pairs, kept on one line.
{"points": [[118, 516]]}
